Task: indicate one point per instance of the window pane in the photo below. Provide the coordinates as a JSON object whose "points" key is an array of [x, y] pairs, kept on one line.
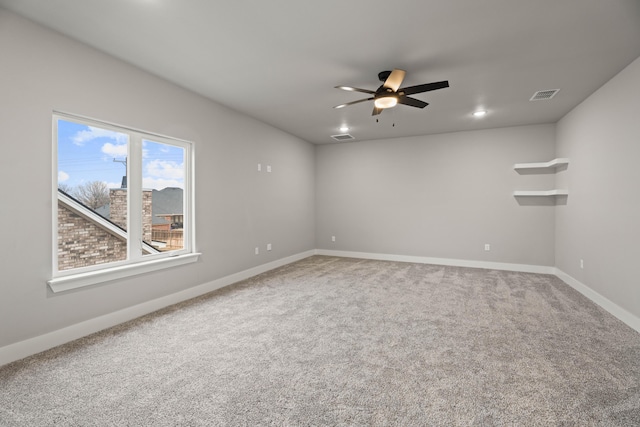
{"points": [[163, 173], [92, 195]]}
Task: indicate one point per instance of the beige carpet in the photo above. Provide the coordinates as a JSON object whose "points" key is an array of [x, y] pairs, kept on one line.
{"points": [[342, 342]]}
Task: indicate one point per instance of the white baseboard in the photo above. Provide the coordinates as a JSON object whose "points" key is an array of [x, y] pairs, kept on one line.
{"points": [[525, 268], [630, 319], [44, 342]]}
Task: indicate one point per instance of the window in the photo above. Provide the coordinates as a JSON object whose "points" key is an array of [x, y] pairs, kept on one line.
{"points": [[123, 202]]}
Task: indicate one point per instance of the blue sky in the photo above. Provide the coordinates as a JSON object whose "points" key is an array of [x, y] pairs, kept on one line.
{"points": [[87, 153]]}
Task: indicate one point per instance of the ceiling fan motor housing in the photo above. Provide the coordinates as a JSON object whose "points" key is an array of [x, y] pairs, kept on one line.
{"points": [[384, 92], [384, 75]]}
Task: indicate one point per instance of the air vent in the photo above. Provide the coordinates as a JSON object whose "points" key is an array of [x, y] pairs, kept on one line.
{"points": [[342, 137], [544, 94]]}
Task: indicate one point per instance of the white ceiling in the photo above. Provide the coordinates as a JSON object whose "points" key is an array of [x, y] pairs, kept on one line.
{"points": [[279, 60]]}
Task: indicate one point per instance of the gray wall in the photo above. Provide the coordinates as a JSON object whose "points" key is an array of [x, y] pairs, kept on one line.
{"points": [[441, 196], [237, 208], [601, 221]]}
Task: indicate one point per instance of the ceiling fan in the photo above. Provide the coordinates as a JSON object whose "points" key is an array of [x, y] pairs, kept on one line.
{"points": [[390, 94]]}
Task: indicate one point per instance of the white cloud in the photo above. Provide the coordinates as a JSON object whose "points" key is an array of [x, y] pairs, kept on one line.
{"points": [[115, 150], [62, 176], [160, 183], [92, 133], [160, 174], [113, 184], [165, 169]]}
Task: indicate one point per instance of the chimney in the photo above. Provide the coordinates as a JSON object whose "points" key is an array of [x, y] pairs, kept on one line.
{"points": [[146, 215], [118, 210], [118, 206]]}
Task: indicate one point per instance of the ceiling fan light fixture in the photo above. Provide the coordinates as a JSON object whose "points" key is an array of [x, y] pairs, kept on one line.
{"points": [[391, 94], [386, 101]]}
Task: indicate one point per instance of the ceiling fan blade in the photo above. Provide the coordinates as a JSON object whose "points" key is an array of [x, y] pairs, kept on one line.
{"points": [[355, 89], [424, 88], [376, 111], [353, 102], [412, 102], [395, 79]]}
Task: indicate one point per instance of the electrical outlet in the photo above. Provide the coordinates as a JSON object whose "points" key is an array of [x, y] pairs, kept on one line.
{"points": [[581, 263], [487, 247], [268, 246], [268, 168], [333, 238], [257, 250]]}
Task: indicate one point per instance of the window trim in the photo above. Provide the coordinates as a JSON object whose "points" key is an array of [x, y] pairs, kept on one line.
{"points": [[79, 280], [139, 263]]}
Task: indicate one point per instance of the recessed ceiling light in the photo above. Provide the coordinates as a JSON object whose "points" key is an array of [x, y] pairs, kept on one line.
{"points": [[479, 113], [344, 128]]}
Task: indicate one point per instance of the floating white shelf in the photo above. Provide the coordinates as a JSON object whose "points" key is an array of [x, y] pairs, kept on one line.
{"points": [[537, 168], [538, 193], [544, 165]]}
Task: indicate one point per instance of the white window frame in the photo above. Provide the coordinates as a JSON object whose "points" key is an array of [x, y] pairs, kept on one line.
{"points": [[136, 263]]}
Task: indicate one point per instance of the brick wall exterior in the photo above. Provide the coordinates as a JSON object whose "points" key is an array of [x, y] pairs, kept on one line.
{"points": [[81, 243]]}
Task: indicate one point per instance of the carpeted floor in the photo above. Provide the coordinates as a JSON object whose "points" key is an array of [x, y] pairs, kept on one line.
{"points": [[342, 342]]}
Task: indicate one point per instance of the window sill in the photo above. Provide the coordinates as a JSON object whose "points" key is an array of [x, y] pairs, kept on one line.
{"points": [[74, 281]]}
